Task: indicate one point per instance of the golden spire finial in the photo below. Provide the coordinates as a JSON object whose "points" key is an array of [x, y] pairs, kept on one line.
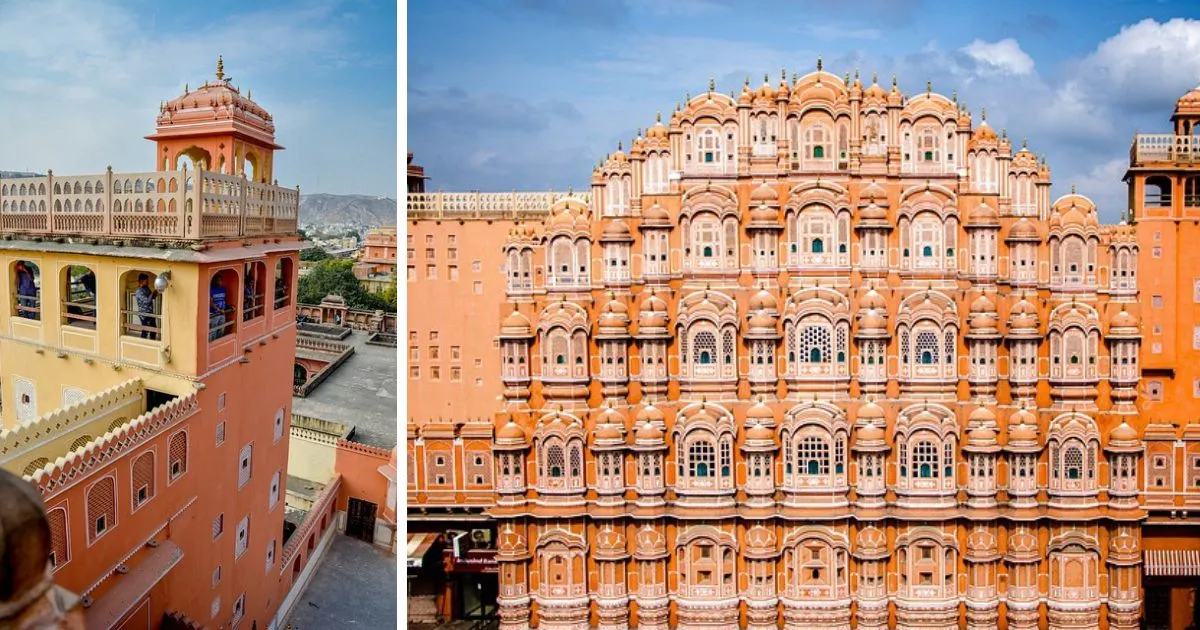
{"points": [[954, 96], [894, 86], [928, 86], [747, 84], [1024, 143], [856, 74], [658, 116], [766, 78], [820, 64], [783, 75], [712, 85], [795, 78], [983, 114], [846, 79], [1072, 189], [874, 78], [220, 68]]}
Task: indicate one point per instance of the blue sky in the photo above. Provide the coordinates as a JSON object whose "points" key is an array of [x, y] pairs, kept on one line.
{"points": [[83, 80], [531, 94]]}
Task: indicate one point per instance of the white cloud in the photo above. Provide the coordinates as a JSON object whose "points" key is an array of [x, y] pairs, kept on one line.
{"points": [[84, 81], [1101, 183], [1145, 63], [1004, 56]]}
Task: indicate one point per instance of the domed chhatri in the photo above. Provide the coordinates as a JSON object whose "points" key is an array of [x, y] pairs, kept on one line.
{"points": [[850, 334]]}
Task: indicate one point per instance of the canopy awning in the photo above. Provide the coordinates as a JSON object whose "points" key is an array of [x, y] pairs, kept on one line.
{"points": [[1171, 562], [418, 546]]}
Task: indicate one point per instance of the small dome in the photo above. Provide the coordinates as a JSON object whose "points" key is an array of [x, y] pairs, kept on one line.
{"points": [[656, 213], [870, 411], [764, 194], [869, 433], [982, 322], [763, 300], [1074, 217], [983, 304], [1024, 229], [983, 414], [511, 431], [981, 436], [1123, 433], [760, 412], [762, 319], [761, 433], [608, 433], [764, 214], [515, 320], [649, 413], [616, 229], [1125, 319], [872, 320], [648, 432], [872, 300], [984, 132], [873, 212], [984, 214]]}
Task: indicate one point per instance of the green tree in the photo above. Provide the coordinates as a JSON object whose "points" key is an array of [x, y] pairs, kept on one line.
{"points": [[337, 277], [389, 295], [313, 254]]}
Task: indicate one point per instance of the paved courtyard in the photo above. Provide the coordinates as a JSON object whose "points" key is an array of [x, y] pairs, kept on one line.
{"points": [[354, 587]]}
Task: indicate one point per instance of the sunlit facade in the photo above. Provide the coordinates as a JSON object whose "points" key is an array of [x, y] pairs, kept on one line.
{"points": [[826, 353]]}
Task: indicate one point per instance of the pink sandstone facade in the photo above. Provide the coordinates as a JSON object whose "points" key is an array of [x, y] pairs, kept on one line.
{"points": [[162, 469]]}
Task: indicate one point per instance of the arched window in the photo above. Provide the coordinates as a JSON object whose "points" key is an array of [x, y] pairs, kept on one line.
{"points": [[927, 231], [284, 270], [708, 147], [141, 311], [223, 292], [27, 280], [1158, 192], [925, 459], [101, 508], [254, 283], [555, 461], [812, 455], [79, 297], [177, 456], [701, 459], [706, 239], [927, 347], [143, 479]]}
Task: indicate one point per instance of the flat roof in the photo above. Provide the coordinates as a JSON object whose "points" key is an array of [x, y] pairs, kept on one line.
{"points": [[353, 587], [360, 392]]}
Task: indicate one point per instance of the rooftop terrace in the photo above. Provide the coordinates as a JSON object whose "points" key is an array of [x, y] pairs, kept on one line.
{"points": [[477, 205], [1164, 147], [164, 205], [361, 392]]}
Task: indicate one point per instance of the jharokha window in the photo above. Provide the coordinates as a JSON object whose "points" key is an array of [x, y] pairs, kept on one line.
{"points": [[101, 508], [27, 280], [704, 461], [284, 270], [255, 283], [222, 295], [141, 306], [79, 297], [560, 464]]}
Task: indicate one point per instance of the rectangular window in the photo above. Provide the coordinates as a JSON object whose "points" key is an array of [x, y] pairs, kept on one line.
{"points": [[451, 240], [433, 335], [243, 537], [435, 373], [477, 287], [456, 351], [434, 352], [452, 254], [430, 253], [412, 254], [1157, 301], [478, 382], [239, 609], [216, 576], [273, 497], [414, 353], [271, 555], [414, 371], [431, 272], [455, 373], [412, 273], [478, 363], [1156, 252], [429, 239], [221, 402], [1196, 337], [244, 465], [453, 271], [220, 433], [1154, 390], [476, 266], [218, 525], [410, 239], [1156, 347], [412, 335]]}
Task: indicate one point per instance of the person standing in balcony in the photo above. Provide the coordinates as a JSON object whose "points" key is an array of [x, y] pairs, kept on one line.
{"points": [[27, 300], [216, 309], [144, 297]]}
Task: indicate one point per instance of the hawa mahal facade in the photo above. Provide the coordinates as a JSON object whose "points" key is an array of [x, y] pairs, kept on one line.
{"points": [[821, 354]]}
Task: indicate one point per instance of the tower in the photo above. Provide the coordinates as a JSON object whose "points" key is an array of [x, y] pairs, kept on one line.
{"points": [[1164, 203], [216, 128], [148, 361]]}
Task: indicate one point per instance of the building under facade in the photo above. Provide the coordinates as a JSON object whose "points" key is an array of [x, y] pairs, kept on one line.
{"points": [[146, 354], [826, 353]]}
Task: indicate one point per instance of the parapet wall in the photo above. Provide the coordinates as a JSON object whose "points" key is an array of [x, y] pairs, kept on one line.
{"points": [[74, 466], [24, 439]]}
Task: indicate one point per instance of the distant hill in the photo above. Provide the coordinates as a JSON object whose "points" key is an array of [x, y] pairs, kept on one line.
{"points": [[11, 174], [347, 210]]}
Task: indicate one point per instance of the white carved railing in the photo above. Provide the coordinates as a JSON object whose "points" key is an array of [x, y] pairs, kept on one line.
{"points": [[477, 205], [180, 204], [1164, 148]]}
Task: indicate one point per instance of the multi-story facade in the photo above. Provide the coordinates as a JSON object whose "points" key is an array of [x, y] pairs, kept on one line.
{"points": [[826, 353], [1164, 197], [145, 357]]}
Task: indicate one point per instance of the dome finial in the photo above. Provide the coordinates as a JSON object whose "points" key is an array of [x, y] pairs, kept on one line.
{"points": [[712, 85], [983, 114], [894, 85], [846, 79], [220, 68], [1072, 189], [658, 116], [954, 96], [619, 147], [820, 64], [928, 86], [874, 78], [1024, 143], [855, 74], [783, 75]]}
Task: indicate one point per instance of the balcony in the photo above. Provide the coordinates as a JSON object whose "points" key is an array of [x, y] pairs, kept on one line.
{"points": [[1148, 148], [477, 205], [163, 205]]}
